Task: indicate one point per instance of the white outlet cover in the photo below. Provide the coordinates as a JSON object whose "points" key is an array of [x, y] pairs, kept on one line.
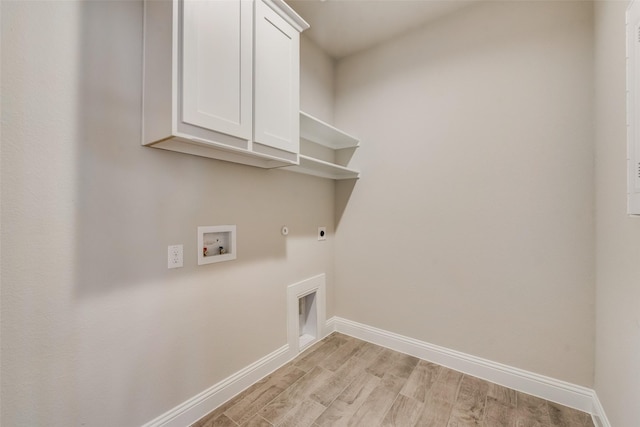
{"points": [[175, 256]]}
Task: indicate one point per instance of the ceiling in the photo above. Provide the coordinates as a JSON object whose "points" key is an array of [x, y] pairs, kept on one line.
{"points": [[343, 27]]}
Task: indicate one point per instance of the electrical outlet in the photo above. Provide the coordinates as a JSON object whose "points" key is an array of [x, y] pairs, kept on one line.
{"points": [[175, 256], [322, 233]]}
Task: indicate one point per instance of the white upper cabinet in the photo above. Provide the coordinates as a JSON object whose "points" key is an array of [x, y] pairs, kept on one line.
{"points": [[217, 66], [221, 79], [277, 80]]}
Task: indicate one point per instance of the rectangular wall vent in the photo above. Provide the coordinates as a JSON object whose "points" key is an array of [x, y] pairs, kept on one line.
{"points": [[306, 312]]}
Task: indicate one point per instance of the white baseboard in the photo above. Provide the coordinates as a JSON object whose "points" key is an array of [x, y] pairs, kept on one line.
{"points": [[598, 415], [200, 405], [551, 389], [547, 388], [330, 326]]}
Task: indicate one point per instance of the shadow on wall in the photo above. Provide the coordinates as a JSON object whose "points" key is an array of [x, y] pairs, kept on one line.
{"points": [[344, 189], [134, 201]]}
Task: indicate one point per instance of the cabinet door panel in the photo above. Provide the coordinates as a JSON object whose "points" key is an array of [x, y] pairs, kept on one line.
{"points": [[217, 65], [277, 81]]}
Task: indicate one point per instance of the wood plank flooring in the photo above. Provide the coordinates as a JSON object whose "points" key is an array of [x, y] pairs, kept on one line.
{"points": [[342, 381]]}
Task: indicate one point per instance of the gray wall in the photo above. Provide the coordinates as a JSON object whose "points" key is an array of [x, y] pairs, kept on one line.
{"points": [[95, 329], [434, 242], [472, 226], [618, 290]]}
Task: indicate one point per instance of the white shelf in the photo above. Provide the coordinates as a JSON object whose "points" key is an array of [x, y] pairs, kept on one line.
{"points": [[310, 166], [320, 144], [319, 132]]}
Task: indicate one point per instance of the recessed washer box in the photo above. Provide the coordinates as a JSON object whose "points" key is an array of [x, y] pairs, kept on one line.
{"points": [[216, 243]]}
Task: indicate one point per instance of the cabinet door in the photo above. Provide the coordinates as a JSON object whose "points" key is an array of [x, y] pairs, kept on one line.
{"points": [[276, 80], [217, 67]]}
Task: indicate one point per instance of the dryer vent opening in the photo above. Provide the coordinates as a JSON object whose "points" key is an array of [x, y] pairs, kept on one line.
{"points": [[308, 319]]}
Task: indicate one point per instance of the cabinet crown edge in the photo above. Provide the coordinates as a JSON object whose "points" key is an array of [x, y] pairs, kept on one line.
{"points": [[288, 14]]}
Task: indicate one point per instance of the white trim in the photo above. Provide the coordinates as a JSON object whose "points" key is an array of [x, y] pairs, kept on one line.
{"points": [[200, 405], [547, 388], [598, 416], [330, 326], [562, 392], [288, 14]]}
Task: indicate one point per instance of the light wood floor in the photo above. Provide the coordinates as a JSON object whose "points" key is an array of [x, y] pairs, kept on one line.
{"points": [[342, 381]]}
